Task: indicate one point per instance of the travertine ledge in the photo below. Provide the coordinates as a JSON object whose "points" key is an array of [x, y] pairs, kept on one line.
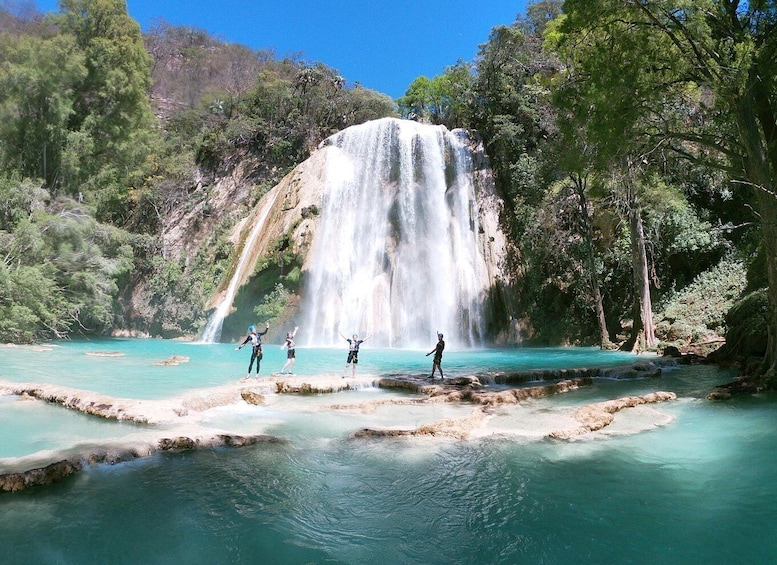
{"points": [[55, 472], [594, 417]]}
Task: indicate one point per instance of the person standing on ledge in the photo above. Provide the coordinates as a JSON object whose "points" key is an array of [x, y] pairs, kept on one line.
{"points": [[353, 352], [437, 363], [291, 352], [255, 337]]}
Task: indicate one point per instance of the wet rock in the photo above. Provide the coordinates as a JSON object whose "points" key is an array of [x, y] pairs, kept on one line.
{"points": [[404, 382], [252, 397], [469, 389], [537, 375], [177, 444], [425, 385], [173, 361], [456, 428], [326, 385], [116, 455], [14, 482], [372, 433], [462, 381], [671, 351], [645, 369], [243, 441], [518, 395], [738, 387]]}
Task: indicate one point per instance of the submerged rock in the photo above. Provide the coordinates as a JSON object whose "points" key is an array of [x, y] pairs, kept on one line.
{"points": [[456, 428], [55, 472], [173, 361]]}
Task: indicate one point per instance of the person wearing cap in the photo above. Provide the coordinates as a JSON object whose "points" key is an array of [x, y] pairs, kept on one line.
{"points": [[438, 349], [291, 352], [255, 337]]}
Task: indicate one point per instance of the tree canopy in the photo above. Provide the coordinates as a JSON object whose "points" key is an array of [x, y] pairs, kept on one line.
{"points": [[693, 77]]}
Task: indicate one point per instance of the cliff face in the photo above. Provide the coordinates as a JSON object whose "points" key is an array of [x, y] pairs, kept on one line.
{"points": [[190, 230], [290, 209], [292, 212], [288, 217]]}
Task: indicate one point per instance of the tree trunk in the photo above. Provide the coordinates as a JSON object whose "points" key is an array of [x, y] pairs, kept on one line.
{"points": [[604, 335], [757, 127], [643, 333], [767, 205], [579, 182]]}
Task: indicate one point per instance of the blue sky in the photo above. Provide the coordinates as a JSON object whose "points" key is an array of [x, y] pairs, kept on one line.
{"points": [[382, 44]]}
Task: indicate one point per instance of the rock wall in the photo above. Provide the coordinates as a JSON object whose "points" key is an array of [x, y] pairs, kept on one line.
{"points": [[295, 205], [296, 202]]}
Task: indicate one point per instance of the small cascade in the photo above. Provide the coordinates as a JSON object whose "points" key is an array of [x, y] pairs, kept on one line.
{"points": [[212, 331], [397, 253]]}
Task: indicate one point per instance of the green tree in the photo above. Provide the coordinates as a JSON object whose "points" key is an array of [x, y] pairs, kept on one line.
{"points": [[576, 185], [444, 100], [60, 268], [273, 304], [111, 126], [513, 112], [38, 81], [698, 76], [416, 102], [539, 14], [363, 104], [629, 195], [454, 94]]}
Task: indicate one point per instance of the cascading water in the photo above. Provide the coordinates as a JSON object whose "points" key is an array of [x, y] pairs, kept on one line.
{"points": [[396, 253], [212, 331]]}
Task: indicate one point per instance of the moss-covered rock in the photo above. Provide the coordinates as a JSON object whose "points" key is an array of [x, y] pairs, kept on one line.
{"points": [[747, 334]]}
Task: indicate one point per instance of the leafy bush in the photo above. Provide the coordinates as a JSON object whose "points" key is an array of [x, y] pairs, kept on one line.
{"points": [[274, 303], [698, 311], [61, 269]]}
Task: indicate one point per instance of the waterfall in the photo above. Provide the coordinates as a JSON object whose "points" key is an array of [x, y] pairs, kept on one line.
{"points": [[212, 331], [396, 253]]}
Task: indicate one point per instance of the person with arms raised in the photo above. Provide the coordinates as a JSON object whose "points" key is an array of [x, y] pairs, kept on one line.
{"points": [[255, 337]]}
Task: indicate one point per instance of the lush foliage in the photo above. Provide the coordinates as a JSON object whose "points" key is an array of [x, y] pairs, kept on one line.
{"points": [[632, 142], [697, 312], [273, 304], [664, 80], [61, 268]]}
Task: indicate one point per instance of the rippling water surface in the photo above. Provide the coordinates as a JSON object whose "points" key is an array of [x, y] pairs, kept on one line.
{"points": [[688, 481]]}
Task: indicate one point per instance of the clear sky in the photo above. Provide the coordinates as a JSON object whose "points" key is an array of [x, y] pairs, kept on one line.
{"points": [[382, 44]]}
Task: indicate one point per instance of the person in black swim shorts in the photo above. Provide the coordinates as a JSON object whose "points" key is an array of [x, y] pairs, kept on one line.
{"points": [[353, 352], [291, 351]]}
